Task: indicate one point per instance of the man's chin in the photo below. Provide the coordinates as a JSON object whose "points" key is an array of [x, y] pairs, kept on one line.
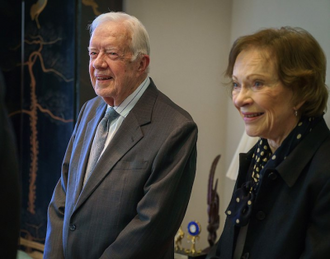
{"points": [[103, 91]]}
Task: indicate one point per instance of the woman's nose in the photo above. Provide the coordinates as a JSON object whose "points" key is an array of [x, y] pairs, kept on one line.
{"points": [[242, 97]]}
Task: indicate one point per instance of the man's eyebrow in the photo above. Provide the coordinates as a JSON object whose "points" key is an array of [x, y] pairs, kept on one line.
{"points": [[105, 49]]}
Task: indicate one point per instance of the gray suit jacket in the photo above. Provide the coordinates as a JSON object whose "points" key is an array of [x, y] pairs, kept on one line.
{"points": [[136, 197]]}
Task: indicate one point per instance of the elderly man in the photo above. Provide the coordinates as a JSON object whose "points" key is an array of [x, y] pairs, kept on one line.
{"points": [[126, 179]]}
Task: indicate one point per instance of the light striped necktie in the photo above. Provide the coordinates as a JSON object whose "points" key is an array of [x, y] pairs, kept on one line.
{"points": [[99, 140]]}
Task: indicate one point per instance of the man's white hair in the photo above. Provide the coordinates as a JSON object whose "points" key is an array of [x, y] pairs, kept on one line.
{"points": [[140, 39]]}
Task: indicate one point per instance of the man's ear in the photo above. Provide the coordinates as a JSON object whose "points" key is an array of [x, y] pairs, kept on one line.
{"points": [[143, 63]]}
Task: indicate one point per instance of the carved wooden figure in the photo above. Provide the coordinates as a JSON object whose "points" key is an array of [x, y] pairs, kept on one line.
{"points": [[213, 204]]}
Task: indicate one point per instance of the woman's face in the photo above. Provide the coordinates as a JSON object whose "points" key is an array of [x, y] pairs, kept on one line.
{"points": [[264, 103]]}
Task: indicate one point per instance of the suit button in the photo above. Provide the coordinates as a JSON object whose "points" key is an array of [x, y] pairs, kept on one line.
{"points": [[261, 215], [272, 176], [72, 227]]}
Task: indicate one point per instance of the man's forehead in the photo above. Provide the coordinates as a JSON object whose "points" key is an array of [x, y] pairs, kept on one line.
{"points": [[112, 28], [110, 35]]}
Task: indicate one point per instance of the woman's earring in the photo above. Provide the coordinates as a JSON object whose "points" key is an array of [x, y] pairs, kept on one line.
{"points": [[296, 112]]}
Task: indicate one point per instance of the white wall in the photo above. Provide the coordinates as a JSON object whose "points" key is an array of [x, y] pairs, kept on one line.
{"points": [[190, 41]]}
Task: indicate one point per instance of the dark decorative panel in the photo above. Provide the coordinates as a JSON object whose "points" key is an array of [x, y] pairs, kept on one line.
{"points": [[44, 60], [41, 99]]}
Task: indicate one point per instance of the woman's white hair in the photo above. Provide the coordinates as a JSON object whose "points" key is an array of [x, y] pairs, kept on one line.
{"points": [[140, 39]]}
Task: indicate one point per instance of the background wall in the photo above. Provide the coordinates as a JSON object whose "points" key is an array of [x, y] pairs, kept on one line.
{"points": [[190, 41]]}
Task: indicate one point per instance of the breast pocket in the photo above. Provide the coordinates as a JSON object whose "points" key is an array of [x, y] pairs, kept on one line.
{"points": [[132, 165]]}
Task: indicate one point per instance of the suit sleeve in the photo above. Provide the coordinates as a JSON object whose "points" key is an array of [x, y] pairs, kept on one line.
{"points": [[318, 232], [166, 195], [56, 208]]}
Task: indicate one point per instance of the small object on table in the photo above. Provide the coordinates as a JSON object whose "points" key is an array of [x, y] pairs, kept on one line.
{"points": [[178, 239], [194, 229]]}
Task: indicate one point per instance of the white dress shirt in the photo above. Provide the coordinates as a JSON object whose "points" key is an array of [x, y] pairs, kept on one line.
{"points": [[124, 108]]}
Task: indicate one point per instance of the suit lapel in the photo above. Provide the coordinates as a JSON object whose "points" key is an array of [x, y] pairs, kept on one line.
{"points": [[127, 136]]}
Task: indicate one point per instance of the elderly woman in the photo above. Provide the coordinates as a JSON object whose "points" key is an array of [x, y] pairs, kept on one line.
{"points": [[280, 206]]}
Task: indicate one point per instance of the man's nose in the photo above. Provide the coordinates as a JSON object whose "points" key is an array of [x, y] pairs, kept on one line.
{"points": [[99, 61]]}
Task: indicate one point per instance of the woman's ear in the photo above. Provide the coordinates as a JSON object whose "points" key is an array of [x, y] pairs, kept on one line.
{"points": [[298, 106]]}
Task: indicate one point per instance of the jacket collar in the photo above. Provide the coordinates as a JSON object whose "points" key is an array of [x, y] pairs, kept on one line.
{"points": [[294, 162], [306, 150]]}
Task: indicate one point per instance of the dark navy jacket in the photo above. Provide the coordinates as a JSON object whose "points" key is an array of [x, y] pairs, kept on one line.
{"points": [[291, 214]]}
